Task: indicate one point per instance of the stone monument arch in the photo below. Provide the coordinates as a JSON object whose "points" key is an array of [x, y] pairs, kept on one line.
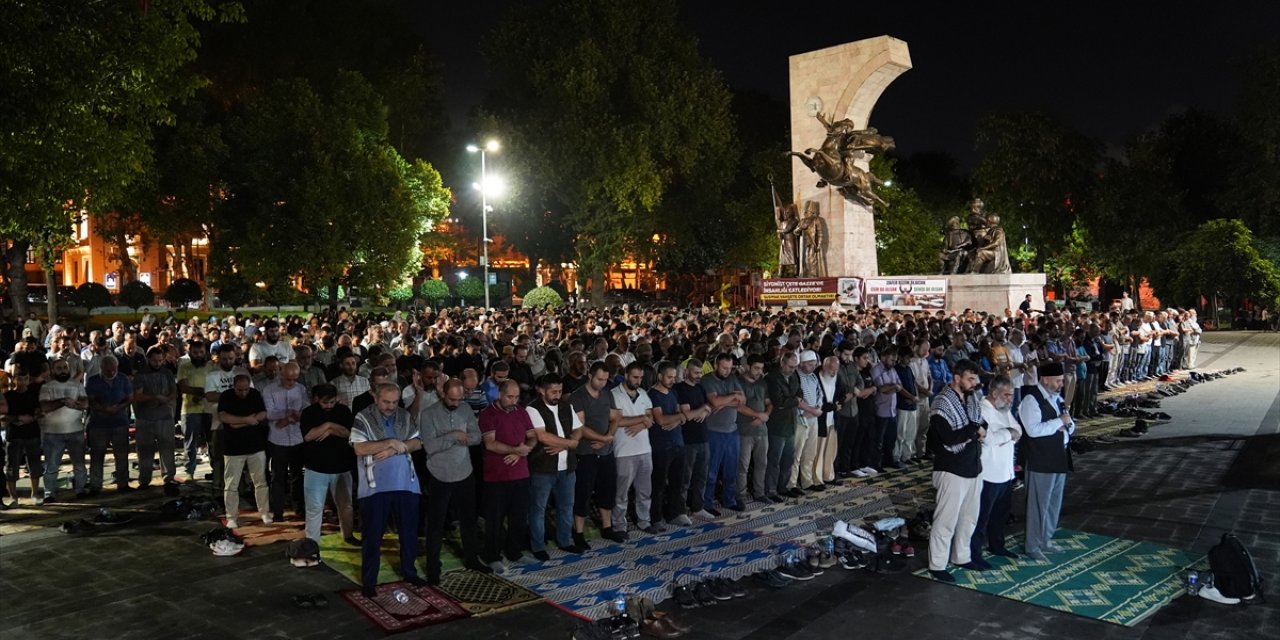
{"points": [[843, 81]]}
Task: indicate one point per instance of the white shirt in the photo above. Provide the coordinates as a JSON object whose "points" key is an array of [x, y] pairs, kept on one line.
{"points": [[562, 458], [64, 419], [1015, 357], [263, 350], [628, 445], [1029, 412], [219, 381], [997, 447]]}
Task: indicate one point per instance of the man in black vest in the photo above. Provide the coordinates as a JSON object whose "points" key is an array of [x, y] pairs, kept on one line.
{"points": [[1048, 426], [551, 466]]}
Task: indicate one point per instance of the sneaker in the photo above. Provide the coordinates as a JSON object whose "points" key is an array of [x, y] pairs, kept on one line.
{"points": [[225, 548], [826, 560], [681, 520], [908, 550], [718, 589], [793, 572], [267, 519], [232, 524], [771, 579], [702, 591], [684, 597], [895, 548], [735, 587], [1212, 594], [859, 473]]}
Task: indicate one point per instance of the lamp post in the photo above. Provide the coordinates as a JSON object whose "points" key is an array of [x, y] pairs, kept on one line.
{"points": [[491, 145]]}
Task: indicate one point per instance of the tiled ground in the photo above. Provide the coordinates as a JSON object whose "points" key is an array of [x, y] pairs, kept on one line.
{"points": [[152, 579]]}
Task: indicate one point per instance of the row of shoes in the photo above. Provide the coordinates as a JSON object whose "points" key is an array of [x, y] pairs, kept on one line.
{"points": [[706, 592]]}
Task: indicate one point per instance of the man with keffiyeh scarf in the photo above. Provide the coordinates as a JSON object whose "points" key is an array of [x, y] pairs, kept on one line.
{"points": [[956, 431]]}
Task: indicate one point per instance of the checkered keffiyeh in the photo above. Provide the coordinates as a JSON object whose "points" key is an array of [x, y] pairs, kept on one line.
{"points": [[957, 411]]}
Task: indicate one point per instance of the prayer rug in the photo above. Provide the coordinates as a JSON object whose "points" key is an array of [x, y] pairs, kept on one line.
{"points": [[256, 534], [416, 607], [732, 547], [482, 594], [1108, 579], [336, 554]]}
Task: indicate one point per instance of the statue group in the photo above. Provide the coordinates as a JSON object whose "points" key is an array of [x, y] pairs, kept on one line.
{"points": [[802, 241], [979, 248], [835, 161]]}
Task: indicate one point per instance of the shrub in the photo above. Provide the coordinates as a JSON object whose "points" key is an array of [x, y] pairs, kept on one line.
{"points": [[92, 295], [541, 297], [434, 291], [182, 292], [470, 290], [137, 294]]}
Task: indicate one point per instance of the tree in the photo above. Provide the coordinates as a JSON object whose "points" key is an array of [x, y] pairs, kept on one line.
{"points": [[434, 292], [470, 290], [1220, 259], [400, 294], [183, 292], [137, 294], [542, 297], [83, 84], [234, 291], [613, 105], [92, 295], [1038, 171], [313, 175], [908, 233]]}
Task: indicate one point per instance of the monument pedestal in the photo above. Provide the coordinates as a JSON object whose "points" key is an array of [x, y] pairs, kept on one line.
{"points": [[993, 292]]}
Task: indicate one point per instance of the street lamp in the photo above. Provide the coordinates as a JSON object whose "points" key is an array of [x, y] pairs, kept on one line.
{"points": [[484, 186]]}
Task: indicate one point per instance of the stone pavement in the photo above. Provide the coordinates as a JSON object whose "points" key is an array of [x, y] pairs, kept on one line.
{"points": [[1182, 485]]}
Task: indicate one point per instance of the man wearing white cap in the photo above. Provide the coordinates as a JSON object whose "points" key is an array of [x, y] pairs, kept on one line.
{"points": [[806, 437]]}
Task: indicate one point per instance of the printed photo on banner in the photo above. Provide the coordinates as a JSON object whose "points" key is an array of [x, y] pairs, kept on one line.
{"points": [[849, 291], [903, 294]]}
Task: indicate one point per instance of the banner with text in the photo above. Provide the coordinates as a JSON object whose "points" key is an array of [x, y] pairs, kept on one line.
{"points": [[799, 291], [906, 294]]}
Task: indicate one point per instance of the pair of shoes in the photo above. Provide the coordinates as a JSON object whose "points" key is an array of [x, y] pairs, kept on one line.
{"points": [[681, 520], [707, 596], [852, 560], [475, 564], [795, 571], [942, 576], [772, 579], [315, 600], [609, 533]]}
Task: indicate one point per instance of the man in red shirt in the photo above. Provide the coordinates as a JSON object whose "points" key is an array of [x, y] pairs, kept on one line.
{"points": [[509, 436]]}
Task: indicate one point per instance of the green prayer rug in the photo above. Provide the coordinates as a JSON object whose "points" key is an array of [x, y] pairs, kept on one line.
{"points": [[1108, 579]]}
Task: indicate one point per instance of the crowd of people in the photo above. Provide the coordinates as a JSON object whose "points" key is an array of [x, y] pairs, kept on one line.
{"points": [[641, 419]]}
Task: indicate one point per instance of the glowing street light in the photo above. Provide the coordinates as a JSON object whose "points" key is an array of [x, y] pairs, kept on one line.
{"points": [[486, 186]]}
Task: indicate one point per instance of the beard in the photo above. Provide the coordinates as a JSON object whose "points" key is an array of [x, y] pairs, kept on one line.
{"points": [[62, 377], [199, 362]]}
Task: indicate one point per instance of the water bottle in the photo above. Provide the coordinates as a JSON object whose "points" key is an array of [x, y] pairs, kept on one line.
{"points": [[1193, 583], [400, 596], [620, 605], [830, 545]]}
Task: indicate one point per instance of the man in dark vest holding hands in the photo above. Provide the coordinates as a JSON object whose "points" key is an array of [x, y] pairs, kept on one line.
{"points": [[552, 464], [1048, 426]]}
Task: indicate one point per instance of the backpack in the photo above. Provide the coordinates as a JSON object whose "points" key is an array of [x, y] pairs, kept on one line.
{"points": [[1234, 572]]}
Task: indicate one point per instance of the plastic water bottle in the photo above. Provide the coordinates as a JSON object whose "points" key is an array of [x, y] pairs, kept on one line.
{"points": [[400, 596], [830, 545], [620, 605], [1193, 583]]}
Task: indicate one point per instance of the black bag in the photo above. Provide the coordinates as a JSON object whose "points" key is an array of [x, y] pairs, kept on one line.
{"points": [[1234, 572]]}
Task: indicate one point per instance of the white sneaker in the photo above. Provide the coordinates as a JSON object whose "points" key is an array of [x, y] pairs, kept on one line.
{"points": [[232, 524], [1212, 593], [681, 520], [870, 471], [267, 519], [860, 473]]}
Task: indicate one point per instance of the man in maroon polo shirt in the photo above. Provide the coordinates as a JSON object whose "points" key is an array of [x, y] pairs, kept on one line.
{"points": [[509, 436]]}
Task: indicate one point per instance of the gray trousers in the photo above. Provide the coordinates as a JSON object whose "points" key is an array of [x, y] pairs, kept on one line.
{"points": [[153, 436], [1044, 503], [117, 439], [634, 471], [696, 459], [781, 456], [754, 450]]}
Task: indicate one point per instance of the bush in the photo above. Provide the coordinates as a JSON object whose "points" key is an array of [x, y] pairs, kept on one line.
{"points": [[234, 291], [137, 294], [92, 295], [470, 290], [182, 292], [434, 291], [400, 294], [541, 297]]}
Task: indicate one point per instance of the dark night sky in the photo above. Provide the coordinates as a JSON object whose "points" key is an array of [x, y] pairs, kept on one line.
{"points": [[1111, 70]]}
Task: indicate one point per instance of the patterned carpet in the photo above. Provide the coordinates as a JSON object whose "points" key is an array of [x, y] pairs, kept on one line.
{"points": [[731, 547], [1109, 579], [421, 607]]}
